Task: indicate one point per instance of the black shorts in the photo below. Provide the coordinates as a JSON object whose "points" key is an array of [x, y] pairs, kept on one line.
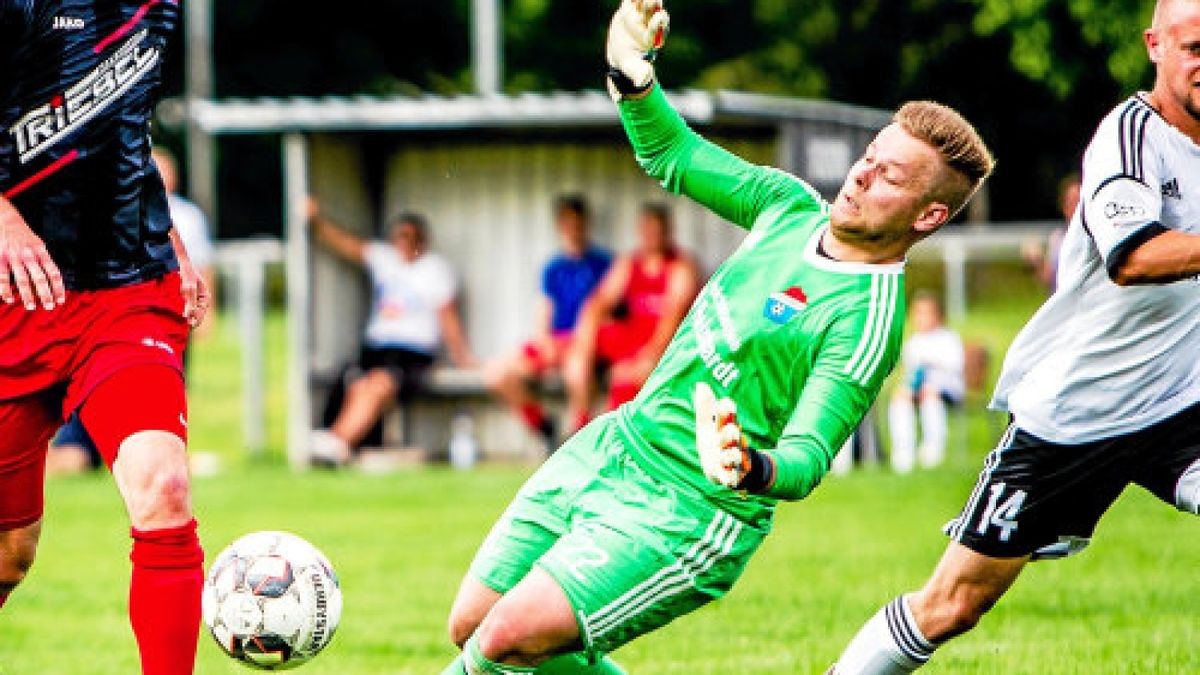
{"points": [[406, 366], [1044, 499]]}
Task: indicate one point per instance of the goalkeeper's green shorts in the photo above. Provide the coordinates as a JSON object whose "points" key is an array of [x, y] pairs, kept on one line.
{"points": [[631, 552]]}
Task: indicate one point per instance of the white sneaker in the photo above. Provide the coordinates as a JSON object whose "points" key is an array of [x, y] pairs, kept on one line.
{"points": [[326, 449]]}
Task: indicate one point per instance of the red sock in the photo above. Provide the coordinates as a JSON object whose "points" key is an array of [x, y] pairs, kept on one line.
{"points": [[533, 415], [581, 420], [621, 392], [164, 598]]}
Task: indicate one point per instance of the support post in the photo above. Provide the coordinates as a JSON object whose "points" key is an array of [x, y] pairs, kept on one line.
{"points": [[250, 309], [295, 179], [487, 56]]}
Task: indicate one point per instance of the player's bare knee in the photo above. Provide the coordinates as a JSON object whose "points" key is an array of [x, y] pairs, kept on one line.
{"points": [[18, 549], [461, 627], [379, 383], [505, 637], [161, 499]]}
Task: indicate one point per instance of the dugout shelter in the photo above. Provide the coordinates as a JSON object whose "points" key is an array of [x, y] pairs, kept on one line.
{"points": [[486, 170]]}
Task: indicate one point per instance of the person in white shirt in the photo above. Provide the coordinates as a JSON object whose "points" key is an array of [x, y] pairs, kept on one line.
{"points": [[933, 379], [413, 309], [192, 225], [1103, 383]]}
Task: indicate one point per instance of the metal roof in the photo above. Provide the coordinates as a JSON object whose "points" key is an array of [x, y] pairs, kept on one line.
{"points": [[566, 110]]}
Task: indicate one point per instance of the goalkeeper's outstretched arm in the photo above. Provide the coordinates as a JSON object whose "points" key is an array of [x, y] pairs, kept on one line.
{"points": [[665, 146]]}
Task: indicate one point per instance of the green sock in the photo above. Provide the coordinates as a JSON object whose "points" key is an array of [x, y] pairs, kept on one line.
{"points": [[576, 664], [456, 667], [471, 655]]}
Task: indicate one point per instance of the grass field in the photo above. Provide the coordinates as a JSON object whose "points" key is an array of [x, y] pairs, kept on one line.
{"points": [[401, 542]]}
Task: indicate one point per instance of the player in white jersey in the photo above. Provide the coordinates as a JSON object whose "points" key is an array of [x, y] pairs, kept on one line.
{"points": [[1103, 383]]}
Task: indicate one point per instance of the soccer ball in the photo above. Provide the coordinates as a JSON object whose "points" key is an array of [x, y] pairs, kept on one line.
{"points": [[271, 600]]}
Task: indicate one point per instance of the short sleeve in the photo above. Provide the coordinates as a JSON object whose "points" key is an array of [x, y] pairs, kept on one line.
{"points": [[548, 278], [443, 285], [377, 256], [1122, 200]]}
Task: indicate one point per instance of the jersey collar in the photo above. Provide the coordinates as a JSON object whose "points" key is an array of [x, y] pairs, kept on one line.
{"points": [[814, 258]]}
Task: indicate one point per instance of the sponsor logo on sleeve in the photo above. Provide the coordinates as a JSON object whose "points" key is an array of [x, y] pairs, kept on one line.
{"points": [[1170, 190]]}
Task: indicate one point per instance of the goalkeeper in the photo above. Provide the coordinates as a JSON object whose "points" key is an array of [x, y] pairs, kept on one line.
{"points": [[654, 509]]}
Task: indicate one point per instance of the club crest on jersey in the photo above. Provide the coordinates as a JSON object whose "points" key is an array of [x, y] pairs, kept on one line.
{"points": [[42, 127], [783, 307]]}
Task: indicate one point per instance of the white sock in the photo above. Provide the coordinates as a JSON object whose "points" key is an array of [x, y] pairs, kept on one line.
{"points": [[889, 644], [933, 431], [904, 433]]}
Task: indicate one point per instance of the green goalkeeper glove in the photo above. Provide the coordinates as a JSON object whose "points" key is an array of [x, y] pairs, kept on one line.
{"points": [[638, 30]]}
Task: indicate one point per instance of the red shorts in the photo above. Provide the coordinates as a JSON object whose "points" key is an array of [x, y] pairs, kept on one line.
{"points": [[53, 360], [620, 340], [541, 358]]}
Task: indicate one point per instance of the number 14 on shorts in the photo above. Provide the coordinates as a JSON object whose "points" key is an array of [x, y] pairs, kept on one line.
{"points": [[1002, 515]]}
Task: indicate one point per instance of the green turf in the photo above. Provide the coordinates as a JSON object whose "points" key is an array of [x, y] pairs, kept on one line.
{"points": [[401, 543]]}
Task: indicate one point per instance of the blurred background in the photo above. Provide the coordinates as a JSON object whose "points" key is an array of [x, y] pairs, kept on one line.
{"points": [[479, 114]]}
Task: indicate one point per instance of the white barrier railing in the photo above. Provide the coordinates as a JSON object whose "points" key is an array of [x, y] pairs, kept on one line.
{"points": [[245, 262]]}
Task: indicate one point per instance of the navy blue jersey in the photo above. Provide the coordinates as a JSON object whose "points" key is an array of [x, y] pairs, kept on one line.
{"points": [[78, 83]]}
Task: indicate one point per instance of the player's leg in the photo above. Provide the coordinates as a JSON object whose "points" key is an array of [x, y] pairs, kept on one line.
{"points": [[933, 427], [528, 528], [367, 398], [508, 378], [137, 417], [1033, 499], [26, 425], [903, 635], [579, 374], [18, 547], [1171, 461], [903, 426]]}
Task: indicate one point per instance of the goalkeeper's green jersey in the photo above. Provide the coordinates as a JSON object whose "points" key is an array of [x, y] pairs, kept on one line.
{"points": [[801, 342]]}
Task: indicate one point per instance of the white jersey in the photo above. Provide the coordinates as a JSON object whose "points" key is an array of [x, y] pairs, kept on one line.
{"points": [[406, 298], [1100, 360], [935, 358], [192, 226]]}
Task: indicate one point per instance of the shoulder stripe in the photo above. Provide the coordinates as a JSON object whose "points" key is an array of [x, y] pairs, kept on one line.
{"points": [[1132, 137], [1124, 142], [882, 331], [865, 338], [1139, 147]]}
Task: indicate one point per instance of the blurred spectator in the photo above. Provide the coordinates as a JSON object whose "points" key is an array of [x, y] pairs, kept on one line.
{"points": [[933, 379], [632, 316], [192, 225], [72, 450], [568, 279], [413, 308], [1043, 258]]}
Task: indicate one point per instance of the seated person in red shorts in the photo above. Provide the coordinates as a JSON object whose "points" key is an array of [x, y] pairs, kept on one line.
{"points": [[413, 307], [631, 317], [568, 279]]}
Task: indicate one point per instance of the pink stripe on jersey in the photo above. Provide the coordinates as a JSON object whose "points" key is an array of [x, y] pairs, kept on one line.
{"points": [[41, 175], [124, 29]]}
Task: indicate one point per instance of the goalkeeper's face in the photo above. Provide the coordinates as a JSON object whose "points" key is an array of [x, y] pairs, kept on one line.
{"points": [[885, 199]]}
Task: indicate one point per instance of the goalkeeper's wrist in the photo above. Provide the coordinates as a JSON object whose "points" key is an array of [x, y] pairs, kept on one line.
{"points": [[761, 475], [626, 87]]}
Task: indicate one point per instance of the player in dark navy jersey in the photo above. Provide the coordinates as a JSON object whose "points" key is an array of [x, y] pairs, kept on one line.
{"points": [[96, 295]]}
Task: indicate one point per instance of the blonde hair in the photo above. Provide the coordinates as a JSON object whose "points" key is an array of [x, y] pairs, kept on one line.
{"points": [[957, 142]]}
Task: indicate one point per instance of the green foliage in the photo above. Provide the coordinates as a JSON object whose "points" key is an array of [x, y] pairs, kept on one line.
{"points": [[1040, 30]]}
